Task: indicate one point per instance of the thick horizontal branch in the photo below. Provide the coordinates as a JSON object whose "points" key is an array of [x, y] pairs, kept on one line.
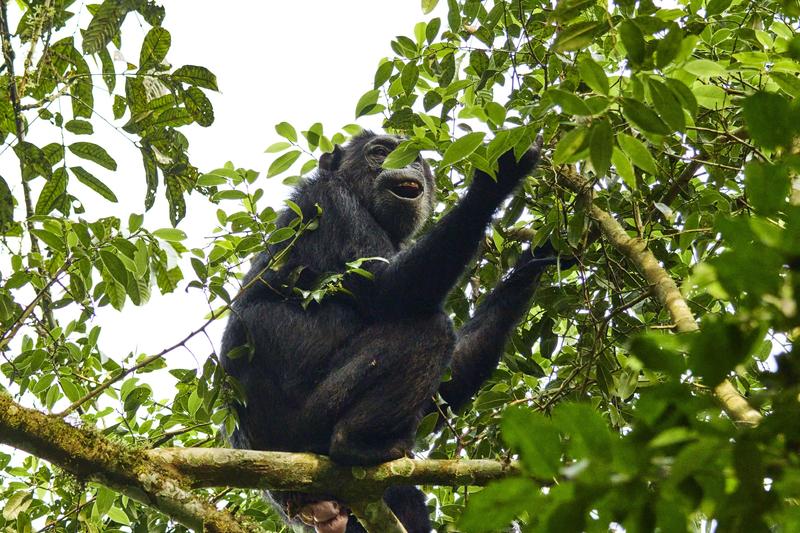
{"points": [[222, 467], [663, 286], [91, 456]]}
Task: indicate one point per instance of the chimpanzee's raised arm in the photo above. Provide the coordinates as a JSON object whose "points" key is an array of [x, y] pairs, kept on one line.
{"points": [[418, 279]]}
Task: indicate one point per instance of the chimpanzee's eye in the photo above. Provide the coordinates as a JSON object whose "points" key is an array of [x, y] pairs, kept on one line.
{"points": [[379, 151]]}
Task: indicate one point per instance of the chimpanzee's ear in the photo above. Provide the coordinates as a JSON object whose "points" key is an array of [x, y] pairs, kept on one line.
{"points": [[330, 161]]}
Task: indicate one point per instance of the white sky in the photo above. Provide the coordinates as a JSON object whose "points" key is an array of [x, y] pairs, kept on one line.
{"points": [[302, 61]]}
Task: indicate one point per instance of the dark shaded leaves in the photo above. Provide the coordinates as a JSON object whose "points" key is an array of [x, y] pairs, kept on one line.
{"points": [[196, 75], [93, 183], [94, 153]]}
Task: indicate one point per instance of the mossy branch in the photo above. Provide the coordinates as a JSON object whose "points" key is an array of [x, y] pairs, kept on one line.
{"points": [[223, 467], [305, 472], [663, 286], [91, 456], [163, 478]]}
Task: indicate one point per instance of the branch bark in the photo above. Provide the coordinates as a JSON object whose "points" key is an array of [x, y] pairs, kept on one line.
{"points": [[304, 472], [223, 467], [163, 478], [664, 287], [89, 455]]}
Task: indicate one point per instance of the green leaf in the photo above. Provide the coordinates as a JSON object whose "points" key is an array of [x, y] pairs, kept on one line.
{"points": [[643, 117], [493, 508], [104, 25], [710, 96], [93, 183], [684, 94], [175, 200], [767, 186], [402, 156], [715, 7], [769, 119], [6, 206], [368, 103], [70, 390], [408, 79], [93, 152], [432, 29], [705, 68], [287, 131], [199, 106], [720, 345], [453, 16], [114, 266], [568, 102], [593, 75], [195, 75], [79, 127], [589, 436], [659, 352], [462, 147], [428, 6], [666, 104], [174, 117], [53, 193], [535, 438], [109, 72], [669, 46], [17, 503], [638, 153], [624, 168], [788, 82], [34, 161], [601, 146], [104, 500], [118, 515], [119, 106], [279, 146], [570, 144], [282, 163], [633, 41], [151, 177], [280, 235], [383, 73], [50, 239], [579, 35], [155, 47], [170, 234]]}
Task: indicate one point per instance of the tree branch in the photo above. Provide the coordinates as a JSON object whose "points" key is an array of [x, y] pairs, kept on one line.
{"points": [[19, 125], [664, 287], [163, 478], [89, 455], [305, 472]]}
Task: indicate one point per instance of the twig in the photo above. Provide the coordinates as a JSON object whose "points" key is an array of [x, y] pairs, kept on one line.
{"points": [[8, 56]]}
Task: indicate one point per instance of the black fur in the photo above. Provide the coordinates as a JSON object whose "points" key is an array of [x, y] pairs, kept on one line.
{"points": [[351, 376]]}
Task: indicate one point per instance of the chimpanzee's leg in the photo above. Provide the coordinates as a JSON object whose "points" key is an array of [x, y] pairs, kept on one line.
{"points": [[481, 340], [385, 375]]}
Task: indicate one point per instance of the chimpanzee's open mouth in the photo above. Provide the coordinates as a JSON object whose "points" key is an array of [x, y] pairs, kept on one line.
{"points": [[406, 188]]}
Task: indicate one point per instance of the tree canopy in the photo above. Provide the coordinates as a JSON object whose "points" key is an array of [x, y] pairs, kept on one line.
{"points": [[653, 387]]}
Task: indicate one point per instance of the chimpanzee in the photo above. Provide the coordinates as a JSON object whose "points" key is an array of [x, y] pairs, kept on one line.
{"points": [[352, 375]]}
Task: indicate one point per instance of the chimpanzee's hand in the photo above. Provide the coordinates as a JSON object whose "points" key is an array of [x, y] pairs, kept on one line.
{"points": [[511, 172], [532, 263]]}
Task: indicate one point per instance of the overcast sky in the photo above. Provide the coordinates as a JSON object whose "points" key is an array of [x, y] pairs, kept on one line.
{"points": [[301, 61]]}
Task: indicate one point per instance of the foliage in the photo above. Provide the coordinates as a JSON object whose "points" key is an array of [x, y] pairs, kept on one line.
{"points": [[683, 119]]}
